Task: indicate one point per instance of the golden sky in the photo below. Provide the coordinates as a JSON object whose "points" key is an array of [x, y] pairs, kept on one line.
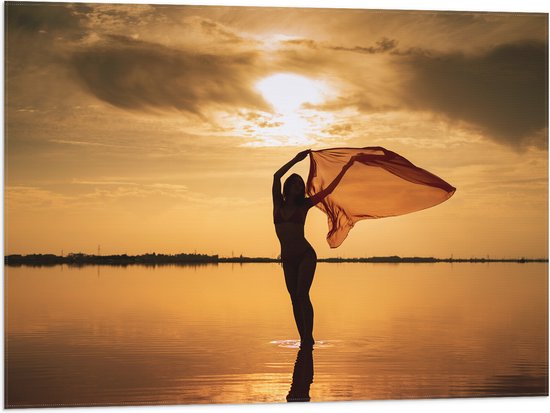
{"points": [[146, 128]]}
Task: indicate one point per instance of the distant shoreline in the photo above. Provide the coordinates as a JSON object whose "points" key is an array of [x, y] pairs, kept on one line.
{"points": [[80, 259]]}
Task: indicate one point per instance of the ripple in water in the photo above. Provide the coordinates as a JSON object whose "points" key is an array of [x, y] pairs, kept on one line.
{"points": [[296, 343]]}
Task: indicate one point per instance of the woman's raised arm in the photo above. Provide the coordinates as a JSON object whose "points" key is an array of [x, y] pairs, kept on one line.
{"points": [[276, 189]]}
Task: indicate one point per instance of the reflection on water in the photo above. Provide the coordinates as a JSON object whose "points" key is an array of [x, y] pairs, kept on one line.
{"points": [[302, 377], [225, 334]]}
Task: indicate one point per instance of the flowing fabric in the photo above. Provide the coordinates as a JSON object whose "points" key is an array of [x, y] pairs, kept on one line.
{"points": [[367, 183]]}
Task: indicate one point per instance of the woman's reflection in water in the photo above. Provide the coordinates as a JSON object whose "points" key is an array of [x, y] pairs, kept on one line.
{"points": [[302, 377]]}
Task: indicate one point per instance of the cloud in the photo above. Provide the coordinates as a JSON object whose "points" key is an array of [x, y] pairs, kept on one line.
{"points": [[258, 120], [42, 18], [217, 30], [86, 143], [503, 91], [383, 45], [107, 193], [312, 44], [500, 91], [115, 18], [139, 75], [339, 129], [21, 197], [191, 62]]}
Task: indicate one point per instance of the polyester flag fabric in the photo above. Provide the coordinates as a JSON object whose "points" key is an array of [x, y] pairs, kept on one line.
{"points": [[370, 182]]}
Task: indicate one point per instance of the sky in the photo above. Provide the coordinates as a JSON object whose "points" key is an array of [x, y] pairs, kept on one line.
{"points": [[157, 128]]}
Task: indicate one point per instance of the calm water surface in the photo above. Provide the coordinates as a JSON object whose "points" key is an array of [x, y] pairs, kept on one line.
{"points": [[225, 333]]}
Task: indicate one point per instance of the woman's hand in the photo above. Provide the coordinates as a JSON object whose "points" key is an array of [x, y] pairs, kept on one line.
{"points": [[302, 155], [286, 167]]}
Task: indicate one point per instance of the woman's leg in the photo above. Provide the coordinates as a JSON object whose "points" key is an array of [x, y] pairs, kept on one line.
{"points": [[290, 268], [306, 271]]}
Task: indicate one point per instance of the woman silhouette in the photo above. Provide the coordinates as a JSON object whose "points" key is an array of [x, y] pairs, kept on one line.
{"points": [[297, 255]]}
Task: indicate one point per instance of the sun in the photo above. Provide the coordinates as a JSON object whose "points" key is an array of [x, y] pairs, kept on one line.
{"points": [[292, 121], [287, 92]]}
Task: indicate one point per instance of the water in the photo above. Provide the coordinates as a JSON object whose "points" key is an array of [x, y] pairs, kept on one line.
{"points": [[225, 334]]}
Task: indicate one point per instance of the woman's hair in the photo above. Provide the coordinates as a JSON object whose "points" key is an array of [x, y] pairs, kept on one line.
{"points": [[289, 181]]}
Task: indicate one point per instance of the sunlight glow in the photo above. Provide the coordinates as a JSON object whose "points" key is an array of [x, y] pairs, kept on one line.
{"points": [[287, 92], [292, 122]]}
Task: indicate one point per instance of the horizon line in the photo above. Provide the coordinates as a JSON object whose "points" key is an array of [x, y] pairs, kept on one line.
{"points": [[245, 257]]}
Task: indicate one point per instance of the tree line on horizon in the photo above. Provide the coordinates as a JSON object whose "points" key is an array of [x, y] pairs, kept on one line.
{"points": [[198, 259]]}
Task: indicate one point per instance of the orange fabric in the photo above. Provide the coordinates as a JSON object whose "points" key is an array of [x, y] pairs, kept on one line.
{"points": [[375, 183]]}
